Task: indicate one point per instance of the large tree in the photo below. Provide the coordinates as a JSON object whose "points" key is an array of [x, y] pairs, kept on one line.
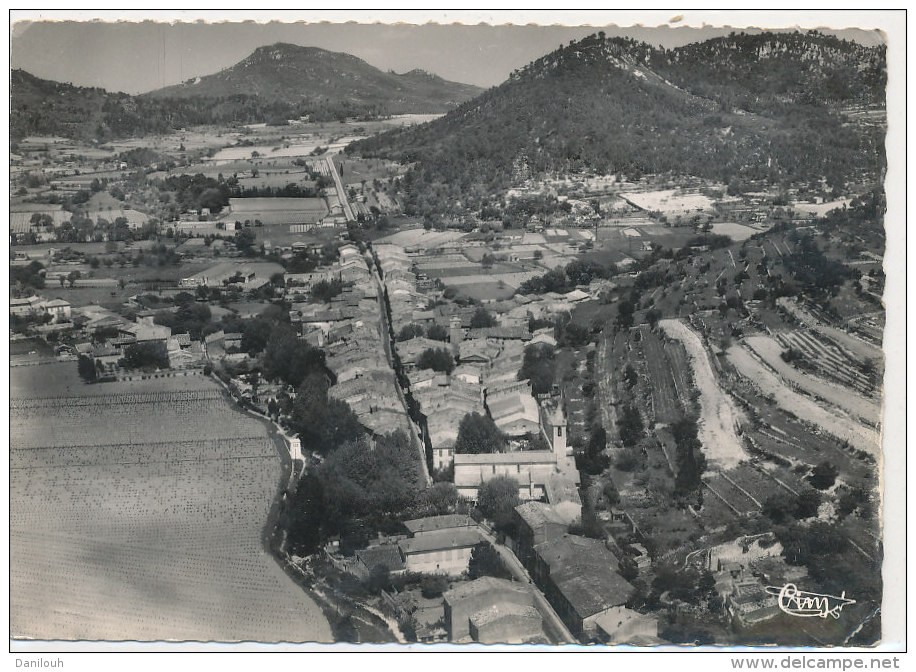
{"points": [[437, 359], [322, 423], [690, 459], [538, 366], [497, 499], [486, 561], [479, 434], [145, 356], [823, 476], [362, 485], [290, 359], [482, 318]]}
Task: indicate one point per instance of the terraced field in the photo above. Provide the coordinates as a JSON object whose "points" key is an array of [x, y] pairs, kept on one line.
{"points": [[833, 422], [828, 359], [137, 513], [860, 349], [768, 350]]}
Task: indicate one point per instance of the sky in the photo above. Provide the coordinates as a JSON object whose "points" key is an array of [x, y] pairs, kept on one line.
{"points": [[136, 57]]}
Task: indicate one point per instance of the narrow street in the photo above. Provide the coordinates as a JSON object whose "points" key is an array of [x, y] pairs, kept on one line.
{"points": [[341, 193], [385, 334]]}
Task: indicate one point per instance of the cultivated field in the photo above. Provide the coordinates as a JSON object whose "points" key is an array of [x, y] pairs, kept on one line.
{"points": [[668, 381], [733, 230], [671, 202], [718, 416], [856, 346], [835, 423], [137, 512], [768, 350]]}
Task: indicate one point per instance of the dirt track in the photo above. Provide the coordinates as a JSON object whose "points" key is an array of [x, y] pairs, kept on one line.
{"points": [[718, 417]]}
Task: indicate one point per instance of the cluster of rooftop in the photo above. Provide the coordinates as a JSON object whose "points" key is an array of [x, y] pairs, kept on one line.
{"points": [[348, 328]]}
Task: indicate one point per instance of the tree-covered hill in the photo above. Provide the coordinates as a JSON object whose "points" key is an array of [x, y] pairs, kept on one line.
{"points": [[43, 107], [743, 107]]}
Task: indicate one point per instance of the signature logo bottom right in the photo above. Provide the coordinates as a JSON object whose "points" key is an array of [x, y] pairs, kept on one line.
{"points": [[797, 602]]}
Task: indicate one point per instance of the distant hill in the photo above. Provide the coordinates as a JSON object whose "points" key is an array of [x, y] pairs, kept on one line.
{"points": [[42, 107], [293, 74], [743, 107], [273, 84]]}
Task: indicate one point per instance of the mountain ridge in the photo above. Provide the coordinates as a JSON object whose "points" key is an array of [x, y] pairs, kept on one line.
{"points": [[292, 73]]}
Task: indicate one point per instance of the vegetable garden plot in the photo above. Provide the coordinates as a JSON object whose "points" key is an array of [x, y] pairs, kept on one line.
{"points": [[663, 383]]}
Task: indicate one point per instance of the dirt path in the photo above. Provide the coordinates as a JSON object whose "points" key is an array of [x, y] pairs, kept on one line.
{"points": [[845, 398], [718, 415], [840, 426]]}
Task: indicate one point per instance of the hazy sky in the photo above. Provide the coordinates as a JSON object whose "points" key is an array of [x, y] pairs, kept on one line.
{"points": [[142, 56]]}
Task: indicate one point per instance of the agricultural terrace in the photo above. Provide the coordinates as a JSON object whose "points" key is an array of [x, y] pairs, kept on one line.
{"points": [[718, 416], [769, 351], [833, 422], [858, 347], [137, 513], [829, 360]]}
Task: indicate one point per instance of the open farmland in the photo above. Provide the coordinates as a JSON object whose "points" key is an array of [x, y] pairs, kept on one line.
{"points": [[718, 416], [671, 202], [834, 423], [137, 512], [735, 231]]}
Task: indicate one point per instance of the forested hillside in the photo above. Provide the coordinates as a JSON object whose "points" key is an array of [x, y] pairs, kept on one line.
{"points": [[763, 107]]}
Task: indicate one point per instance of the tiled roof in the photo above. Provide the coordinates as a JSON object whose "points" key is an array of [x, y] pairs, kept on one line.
{"points": [[538, 514], [388, 555], [582, 570], [435, 523], [440, 541], [519, 457]]}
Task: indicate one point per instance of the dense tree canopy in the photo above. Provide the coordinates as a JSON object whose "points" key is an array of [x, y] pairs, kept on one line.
{"points": [[580, 109], [289, 358], [479, 434], [482, 318], [437, 359], [146, 356], [359, 485], [539, 366], [690, 459], [497, 499], [322, 422]]}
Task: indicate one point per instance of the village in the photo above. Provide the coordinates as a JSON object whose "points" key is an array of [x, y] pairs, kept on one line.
{"points": [[489, 343]]}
